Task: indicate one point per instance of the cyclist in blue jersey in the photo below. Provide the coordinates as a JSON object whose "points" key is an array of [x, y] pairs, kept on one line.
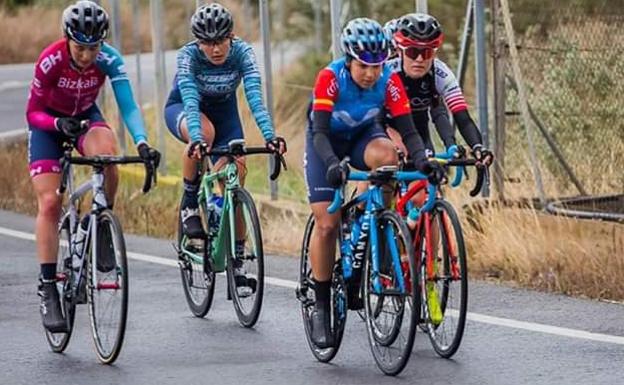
{"points": [[68, 76], [202, 108], [348, 96]]}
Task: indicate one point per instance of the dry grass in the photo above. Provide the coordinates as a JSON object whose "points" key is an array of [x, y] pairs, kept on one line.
{"points": [[533, 249], [25, 32]]}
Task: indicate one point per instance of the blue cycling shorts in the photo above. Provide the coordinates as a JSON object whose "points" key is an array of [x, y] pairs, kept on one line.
{"points": [[45, 148], [315, 169], [223, 115]]}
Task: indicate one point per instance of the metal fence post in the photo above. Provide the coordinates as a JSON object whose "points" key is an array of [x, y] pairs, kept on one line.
{"points": [[480, 64], [265, 27], [465, 44], [335, 10], [421, 6], [160, 84], [500, 96], [136, 29], [318, 26], [116, 16]]}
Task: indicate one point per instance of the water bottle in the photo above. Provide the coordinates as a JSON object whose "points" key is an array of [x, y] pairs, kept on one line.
{"points": [[78, 243], [345, 251], [215, 207]]}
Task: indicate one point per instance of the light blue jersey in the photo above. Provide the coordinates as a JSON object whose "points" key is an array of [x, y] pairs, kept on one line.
{"points": [[198, 82]]}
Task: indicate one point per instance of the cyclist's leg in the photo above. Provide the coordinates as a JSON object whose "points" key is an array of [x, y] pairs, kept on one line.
{"points": [[229, 127], [44, 152], [191, 169], [322, 243], [100, 140], [374, 149]]}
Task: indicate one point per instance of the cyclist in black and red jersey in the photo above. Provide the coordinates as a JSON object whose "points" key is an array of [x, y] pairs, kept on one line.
{"points": [[431, 86]]}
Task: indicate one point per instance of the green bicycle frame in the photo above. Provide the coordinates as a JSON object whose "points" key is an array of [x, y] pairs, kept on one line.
{"points": [[218, 247]]}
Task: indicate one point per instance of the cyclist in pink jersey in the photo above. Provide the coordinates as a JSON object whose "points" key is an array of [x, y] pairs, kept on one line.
{"points": [[68, 76]]}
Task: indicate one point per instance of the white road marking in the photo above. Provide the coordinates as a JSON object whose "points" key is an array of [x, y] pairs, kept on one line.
{"points": [[13, 84], [498, 321]]}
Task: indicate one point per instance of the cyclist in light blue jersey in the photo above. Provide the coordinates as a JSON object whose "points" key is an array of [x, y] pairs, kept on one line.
{"points": [[202, 108]]}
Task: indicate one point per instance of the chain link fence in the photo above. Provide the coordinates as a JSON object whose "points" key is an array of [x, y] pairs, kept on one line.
{"points": [[570, 58]]}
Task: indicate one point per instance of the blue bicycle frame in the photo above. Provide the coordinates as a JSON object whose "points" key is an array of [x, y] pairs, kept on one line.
{"points": [[352, 248]]}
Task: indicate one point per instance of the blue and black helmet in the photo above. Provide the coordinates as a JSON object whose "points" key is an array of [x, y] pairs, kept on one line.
{"points": [[85, 22], [364, 39]]}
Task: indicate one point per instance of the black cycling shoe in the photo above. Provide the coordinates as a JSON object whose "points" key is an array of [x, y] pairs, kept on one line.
{"points": [[50, 307], [321, 334], [106, 253], [240, 277], [191, 223]]}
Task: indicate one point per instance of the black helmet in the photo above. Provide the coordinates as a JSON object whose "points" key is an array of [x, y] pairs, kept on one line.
{"points": [[212, 22], [365, 40], [85, 23], [419, 29]]}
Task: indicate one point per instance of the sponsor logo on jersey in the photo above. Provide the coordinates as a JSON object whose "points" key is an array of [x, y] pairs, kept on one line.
{"points": [[395, 93], [103, 56], [332, 88], [79, 84], [49, 61]]}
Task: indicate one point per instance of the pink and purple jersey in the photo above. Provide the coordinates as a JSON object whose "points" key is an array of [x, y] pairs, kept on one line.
{"points": [[59, 88]]}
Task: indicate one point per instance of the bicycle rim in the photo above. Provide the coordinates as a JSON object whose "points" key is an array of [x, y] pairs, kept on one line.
{"points": [[247, 298], [449, 282], [391, 313], [198, 282], [107, 287], [58, 341]]}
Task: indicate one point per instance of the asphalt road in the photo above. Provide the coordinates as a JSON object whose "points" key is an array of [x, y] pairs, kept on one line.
{"points": [[513, 336]]}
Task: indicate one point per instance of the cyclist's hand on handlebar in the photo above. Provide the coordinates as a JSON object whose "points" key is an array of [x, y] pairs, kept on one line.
{"points": [[483, 155], [197, 149], [71, 127], [150, 155], [337, 174], [277, 144]]}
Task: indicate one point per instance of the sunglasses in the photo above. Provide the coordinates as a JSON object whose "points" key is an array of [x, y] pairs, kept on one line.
{"points": [[369, 58], [414, 52], [213, 43]]}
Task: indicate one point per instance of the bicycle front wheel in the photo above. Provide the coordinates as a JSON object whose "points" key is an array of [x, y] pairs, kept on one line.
{"points": [[58, 341], [391, 304], [444, 281], [305, 294], [245, 269], [107, 287], [198, 276]]}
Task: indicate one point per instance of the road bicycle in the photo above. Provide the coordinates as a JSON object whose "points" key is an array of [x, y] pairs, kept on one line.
{"points": [[378, 243], [228, 221], [92, 261]]}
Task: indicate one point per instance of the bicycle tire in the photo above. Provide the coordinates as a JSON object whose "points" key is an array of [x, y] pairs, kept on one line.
{"points": [[247, 315], [109, 233], [305, 293], [192, 272], [383, 352], [58, 341], [447, 221]]}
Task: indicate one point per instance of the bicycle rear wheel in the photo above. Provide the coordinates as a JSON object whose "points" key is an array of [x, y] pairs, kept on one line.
{"points": [[391, 310], [246, 271], [444, 288], [198, 277], [305, 294], [58, 341], [107, 287]]}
